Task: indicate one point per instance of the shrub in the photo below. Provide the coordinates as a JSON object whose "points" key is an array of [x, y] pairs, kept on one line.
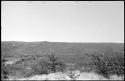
{"points": [[109, 65], [14, 70], [27, 73], [40, 68], [4, 71]]}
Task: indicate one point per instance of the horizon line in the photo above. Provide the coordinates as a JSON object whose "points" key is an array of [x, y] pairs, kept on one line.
{"points": [[62, 41]]}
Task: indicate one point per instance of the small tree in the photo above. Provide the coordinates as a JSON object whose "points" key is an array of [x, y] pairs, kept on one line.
{"points": [[55, 64], [40, 68]]}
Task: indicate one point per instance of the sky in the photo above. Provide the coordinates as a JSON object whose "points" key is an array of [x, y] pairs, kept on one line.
{"points": [[63, 21]]}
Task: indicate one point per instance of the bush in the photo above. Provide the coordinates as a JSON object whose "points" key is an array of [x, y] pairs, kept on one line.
{"points": [[4, 71], [14, 70], [109, 65], [40, 68], [27, 73]]}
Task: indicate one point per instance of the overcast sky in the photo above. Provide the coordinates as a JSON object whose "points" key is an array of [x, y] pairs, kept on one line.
{"points": [[71, 21]]}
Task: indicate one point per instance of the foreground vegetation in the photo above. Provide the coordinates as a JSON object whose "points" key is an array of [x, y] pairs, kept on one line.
{"points": [[105, 63], [100, 64]]}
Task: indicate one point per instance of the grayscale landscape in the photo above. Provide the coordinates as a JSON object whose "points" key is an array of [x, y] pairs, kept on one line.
{"points": [[27, 59], [62, 40]]}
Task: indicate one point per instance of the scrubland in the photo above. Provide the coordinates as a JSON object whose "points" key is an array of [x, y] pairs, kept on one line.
{"points": [[107, 64]]}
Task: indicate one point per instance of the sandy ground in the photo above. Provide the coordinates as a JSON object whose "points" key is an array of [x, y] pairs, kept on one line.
{"points": [[66, 76]]}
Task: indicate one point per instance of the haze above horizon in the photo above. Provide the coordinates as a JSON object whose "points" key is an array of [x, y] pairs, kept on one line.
{"points": [[65, 21]]}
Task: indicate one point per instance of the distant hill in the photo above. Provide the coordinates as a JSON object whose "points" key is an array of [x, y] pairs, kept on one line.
{"points": [[62, 49]]}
